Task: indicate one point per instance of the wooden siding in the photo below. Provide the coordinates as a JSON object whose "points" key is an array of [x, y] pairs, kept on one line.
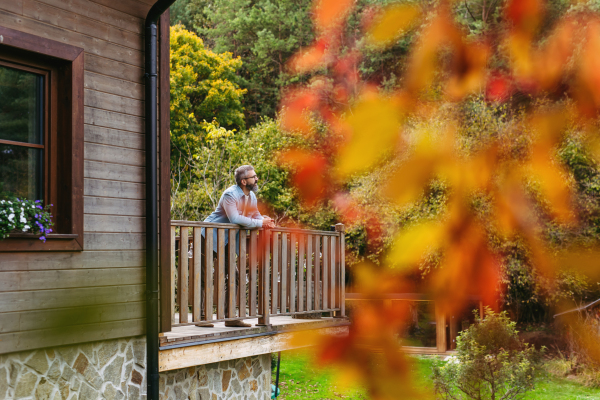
{"points": [[56, 298]]}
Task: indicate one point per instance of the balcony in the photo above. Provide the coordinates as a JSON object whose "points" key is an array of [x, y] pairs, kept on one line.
{"points": [[287, 280]]}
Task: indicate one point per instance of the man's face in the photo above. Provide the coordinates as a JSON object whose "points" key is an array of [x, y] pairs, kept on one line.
{"points": [[251, 180]]}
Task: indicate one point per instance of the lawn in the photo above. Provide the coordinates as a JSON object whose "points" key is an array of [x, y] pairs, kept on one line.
{"points": [[300, 380]]}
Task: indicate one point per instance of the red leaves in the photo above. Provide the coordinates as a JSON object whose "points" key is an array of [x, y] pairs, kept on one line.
{"points": [[499, 88]]}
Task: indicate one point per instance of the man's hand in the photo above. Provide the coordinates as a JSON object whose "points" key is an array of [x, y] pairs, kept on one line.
{"points": [[268, 223]]}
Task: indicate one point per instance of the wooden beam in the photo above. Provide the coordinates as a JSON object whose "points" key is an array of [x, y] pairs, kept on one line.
{"points": [[184, 357]]}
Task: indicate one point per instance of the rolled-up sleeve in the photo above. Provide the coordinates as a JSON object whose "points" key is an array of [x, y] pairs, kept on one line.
{"points": [[230, 207]]}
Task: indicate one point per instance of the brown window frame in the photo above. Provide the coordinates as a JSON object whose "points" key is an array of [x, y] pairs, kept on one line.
{"points": [[62, 64]]}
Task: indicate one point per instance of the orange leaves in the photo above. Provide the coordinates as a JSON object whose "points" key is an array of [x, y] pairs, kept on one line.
{"points": [[295, 106], [372, 128], [310, 58], [309, 173], [391, 23], [331, 13], [525, 15]]}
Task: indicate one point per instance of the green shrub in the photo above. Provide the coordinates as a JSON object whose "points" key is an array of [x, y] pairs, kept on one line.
{"points": [[491, 362]]}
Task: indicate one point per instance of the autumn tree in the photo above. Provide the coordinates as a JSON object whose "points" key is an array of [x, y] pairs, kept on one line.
{"points": [[204, 89]]}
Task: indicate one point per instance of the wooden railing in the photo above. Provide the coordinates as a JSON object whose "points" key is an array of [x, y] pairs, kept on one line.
{"points": [[281, 271]]}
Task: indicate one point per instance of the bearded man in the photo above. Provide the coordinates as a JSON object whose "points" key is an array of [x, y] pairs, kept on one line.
{"points": [[238, 205]]}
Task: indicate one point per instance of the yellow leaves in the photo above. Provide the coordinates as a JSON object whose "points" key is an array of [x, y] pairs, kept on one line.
{"points": [[413, 243], [372, 129], [391, 23]]}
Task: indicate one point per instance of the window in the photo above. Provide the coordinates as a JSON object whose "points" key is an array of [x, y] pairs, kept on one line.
{"points": [[41, 134], [22, 132]]}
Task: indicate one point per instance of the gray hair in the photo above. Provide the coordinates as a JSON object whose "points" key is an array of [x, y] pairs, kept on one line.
{"points": [[242, 173]]}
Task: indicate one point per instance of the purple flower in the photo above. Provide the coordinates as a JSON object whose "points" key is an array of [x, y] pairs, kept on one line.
{"points": [[40, 207], [43, 239], [48, 230]]}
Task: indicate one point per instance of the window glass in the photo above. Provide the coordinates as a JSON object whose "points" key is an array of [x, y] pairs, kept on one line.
{"points": [[21, 102], [21, 121]]}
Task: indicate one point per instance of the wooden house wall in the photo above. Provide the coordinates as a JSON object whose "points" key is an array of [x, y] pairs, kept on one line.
{"points": [[56, 298]]}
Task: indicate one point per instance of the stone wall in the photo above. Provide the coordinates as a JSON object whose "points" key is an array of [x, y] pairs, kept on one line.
{"points": [[115, 370], [110, 370], [241, 379]]}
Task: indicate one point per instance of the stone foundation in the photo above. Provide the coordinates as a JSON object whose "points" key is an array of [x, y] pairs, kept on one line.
{"points": [[241, 379], [115, 370], [110, 370]]}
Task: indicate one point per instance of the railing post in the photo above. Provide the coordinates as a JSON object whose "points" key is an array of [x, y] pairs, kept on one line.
{"points": [[173, 266], [342, 255], [182, 284], [263, 297]]}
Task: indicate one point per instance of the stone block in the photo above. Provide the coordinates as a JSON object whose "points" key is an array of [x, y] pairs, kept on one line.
{"points": [[235, 384], [256, 368], [107, 351], [63, 388], [44, 390], [139, 352], [38, 362], [81, 364], [202, 376], [253, 385], [68, 354], [15, 368], [133, 392], [3, 382], [203, 394], [87, 392], [67, 374], [54, 371], [243, 372], [129, 353], [25, 385], [113, 371], [88, 350], [226, 379], [136, 377]]}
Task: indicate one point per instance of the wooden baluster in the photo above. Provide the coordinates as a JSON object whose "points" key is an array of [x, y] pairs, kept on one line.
{"points": [[253, 269], [284, 273], [281, 283], [182, 284], [342, 253], [242, 271], [309, 273], [231, 294], [220, 273], [301, 257], [208, 274], [196, 273], [263, 297], [274, 273], [333, 277], [292, 270], [325, 283], [173, 266], [317, 268]]}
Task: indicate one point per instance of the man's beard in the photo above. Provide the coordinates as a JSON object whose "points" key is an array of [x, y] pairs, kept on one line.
{"points": [[252, 188]]}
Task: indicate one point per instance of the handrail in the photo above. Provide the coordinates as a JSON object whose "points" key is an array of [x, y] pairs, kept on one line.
{"points": [[280, 271]]}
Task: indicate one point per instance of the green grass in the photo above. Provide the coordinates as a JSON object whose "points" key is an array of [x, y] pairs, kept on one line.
{"points": [[300, 380]]}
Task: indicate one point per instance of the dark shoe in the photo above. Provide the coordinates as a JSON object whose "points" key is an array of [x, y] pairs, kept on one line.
{"points": [[237, 324], [205, 325]]}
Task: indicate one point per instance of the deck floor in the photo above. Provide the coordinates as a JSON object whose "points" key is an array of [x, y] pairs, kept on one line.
{"points": [[191, 335]]}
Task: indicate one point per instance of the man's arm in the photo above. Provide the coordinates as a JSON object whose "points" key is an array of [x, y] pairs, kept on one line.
{"points": [[230, 207]]}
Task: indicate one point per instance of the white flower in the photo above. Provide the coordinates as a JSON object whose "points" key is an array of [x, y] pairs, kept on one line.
{"points": [[452, 360], [11, 217], [22, 219], [25, 228]]}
